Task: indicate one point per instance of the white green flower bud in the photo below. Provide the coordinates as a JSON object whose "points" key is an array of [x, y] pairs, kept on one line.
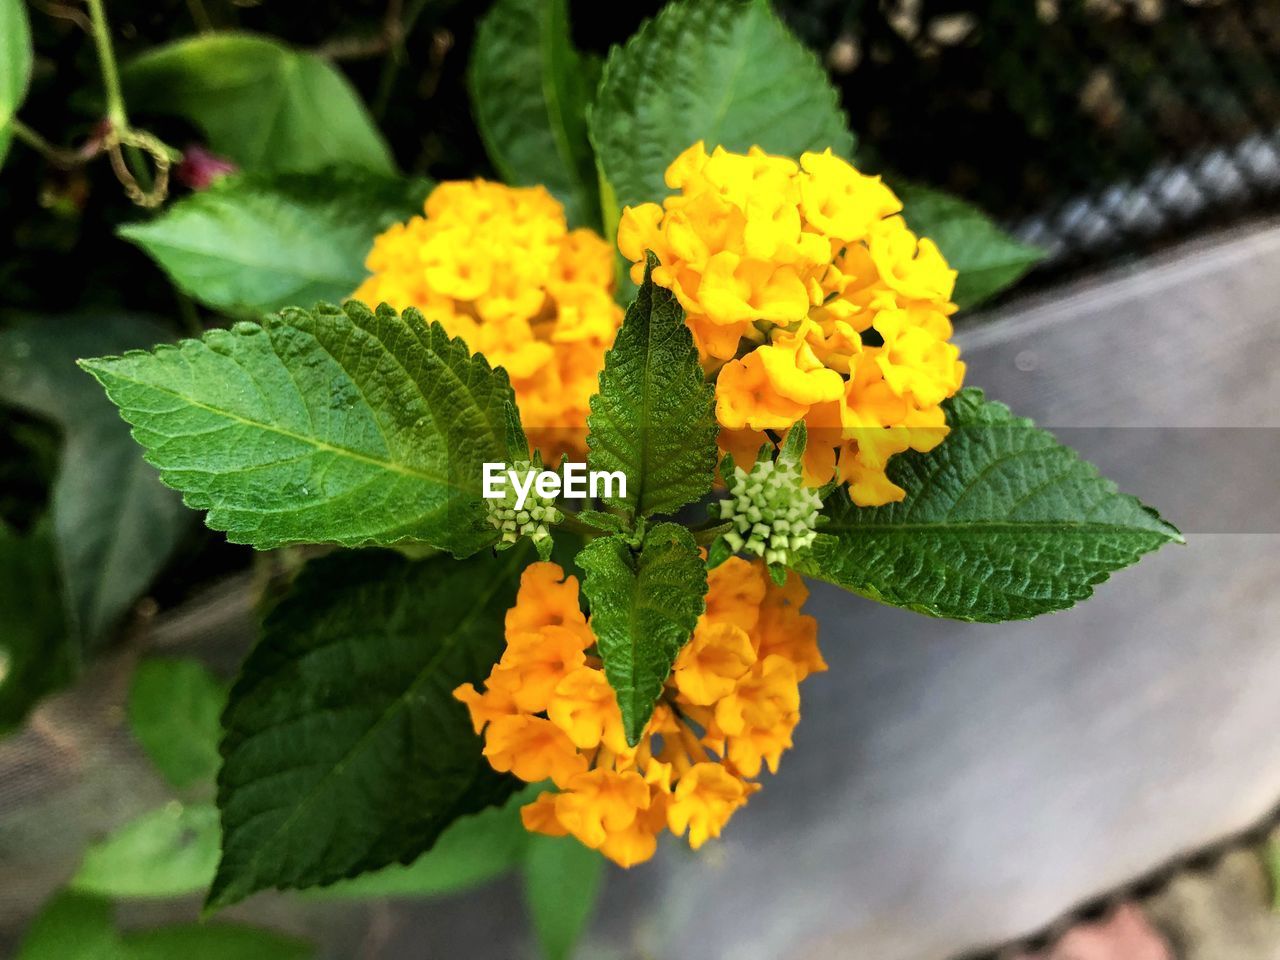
{"points": [[535, 516], [772, 511]]}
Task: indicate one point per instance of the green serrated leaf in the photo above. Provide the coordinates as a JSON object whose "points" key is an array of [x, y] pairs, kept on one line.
{"points": [[718, 552], [115, 524], [643, 610], [562, 881], [169, 852], [987, 259], [174, 709], [15, 65], [255, 243], [344, 750], [326, 426], [792, 449], [724, 71], [36, 652], [607, 522], [473, 850], [529, 90], [1000, 522], [262, 104], [653, 418]]}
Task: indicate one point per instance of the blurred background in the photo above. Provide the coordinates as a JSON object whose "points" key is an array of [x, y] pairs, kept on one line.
{"points": [[1097, 785]]}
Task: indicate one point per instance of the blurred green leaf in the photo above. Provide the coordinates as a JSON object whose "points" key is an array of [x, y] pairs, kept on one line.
{"points": [[260, 103], [114, 523], [74, 926], [987, 259], [257, 243], [472, 851], [169, 852], [530, 90], [562, 880], [36, 654], [15, 65], [174, 710], [344, 750], [333, 425]]}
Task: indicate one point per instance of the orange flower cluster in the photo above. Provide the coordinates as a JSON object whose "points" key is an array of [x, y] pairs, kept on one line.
{"points": [[728, 709], [818, 301], [497, 266]]}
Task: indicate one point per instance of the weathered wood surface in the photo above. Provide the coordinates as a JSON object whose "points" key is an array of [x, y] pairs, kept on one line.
{"points": [[952, 786]]}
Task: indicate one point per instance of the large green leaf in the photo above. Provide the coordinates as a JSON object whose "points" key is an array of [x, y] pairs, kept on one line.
{"points": [[168, 852], [36, 653], [255, 243], [724, 71], [529, 89], [264, 105], [326, 426], [1000, 522], [75, 926], [174, 706], [987, 259], [344, 749], [653, 418], [473, 850], [15, 65], [562, 880], [643, 609], [115, 524]]}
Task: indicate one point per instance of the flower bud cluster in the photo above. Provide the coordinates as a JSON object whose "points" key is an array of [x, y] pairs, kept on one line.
{"points": [[772, 511], [531, 520]]}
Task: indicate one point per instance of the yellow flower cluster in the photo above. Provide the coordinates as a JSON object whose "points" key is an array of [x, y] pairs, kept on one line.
{"points": [[728, 709], [817, 300], [497, 266]]}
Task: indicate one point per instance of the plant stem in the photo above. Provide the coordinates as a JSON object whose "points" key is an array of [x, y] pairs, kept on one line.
{"points": [[107, 63], [572, 524], [396, 56], [58, 156]]}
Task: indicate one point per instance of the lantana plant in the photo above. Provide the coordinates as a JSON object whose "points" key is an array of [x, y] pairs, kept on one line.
{"points": [[691, 281]]}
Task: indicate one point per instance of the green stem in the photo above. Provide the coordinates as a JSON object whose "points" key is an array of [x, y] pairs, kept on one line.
{"points": [[55, 155], [107, 63], [395, 58]]}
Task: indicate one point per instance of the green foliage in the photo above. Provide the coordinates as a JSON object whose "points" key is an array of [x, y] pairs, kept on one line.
{"points": [[724, 71], [643, 609], [168, 852], [529, 91], [15, 65], [653, 417], [987, 258], [344, 750], [174, 709], [36, 654], [1000, 522], [78, 927], [326, 426], [260, 103], [472, 851], [114, 524], [562, 880], [255, 243]]}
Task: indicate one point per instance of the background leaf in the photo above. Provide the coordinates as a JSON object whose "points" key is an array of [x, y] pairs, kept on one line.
{"points": [[260, 103], [724, 71], [174, 709], [344, 749], [257, 243], [562, 881], [332, 426], [653, 418], [36, 653], [643, 609], [529, 90], [72, 927], [115, 525], [987, 258], [168, 852], [1000, 522], [15, 65]]}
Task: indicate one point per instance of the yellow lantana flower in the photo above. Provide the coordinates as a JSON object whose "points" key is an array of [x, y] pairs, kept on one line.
{"points": [[498, 266], [727, 710], [841, 311]]}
